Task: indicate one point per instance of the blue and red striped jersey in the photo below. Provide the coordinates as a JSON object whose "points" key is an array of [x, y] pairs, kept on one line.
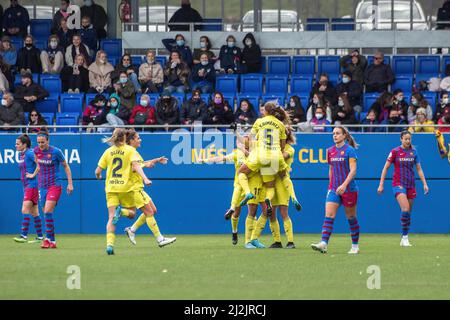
{"points": [[404, 161], [27, 165], [339, 160], [49, 161]]}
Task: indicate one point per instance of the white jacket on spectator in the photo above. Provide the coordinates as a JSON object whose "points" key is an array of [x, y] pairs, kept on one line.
{"points": [[445, 84], [151, 71], [100, 75]]}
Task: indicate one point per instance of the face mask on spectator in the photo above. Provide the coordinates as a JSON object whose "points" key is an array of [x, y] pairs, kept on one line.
{"points": [[230, 44], [205, 62], [114, 104], [217, 100], [28, 45], [144, 102], [248, 42], [315, 100], [123, 80], [202, 44], [319, 116], [102, 61], [414, 102], [180, 43], [394, 119], [88, 3], [4, 102], [292, 104], [445, 101], [345, 79], [340, 103], [53, 44]]}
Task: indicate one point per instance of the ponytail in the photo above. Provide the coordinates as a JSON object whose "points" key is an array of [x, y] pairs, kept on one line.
{"points": [[117, 139], [25, 139], [351, 140]]}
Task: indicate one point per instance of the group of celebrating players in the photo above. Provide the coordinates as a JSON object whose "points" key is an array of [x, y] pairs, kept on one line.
{"points": [[262, 161]]}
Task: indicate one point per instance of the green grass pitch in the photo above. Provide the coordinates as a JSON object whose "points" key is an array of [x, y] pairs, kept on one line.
{"points": [[209, 267]]}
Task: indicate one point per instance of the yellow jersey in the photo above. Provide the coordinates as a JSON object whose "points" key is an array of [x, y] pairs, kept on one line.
{"points": [[238, 157], [136, 179], [269, 131], [117, 162], [291, 151]]}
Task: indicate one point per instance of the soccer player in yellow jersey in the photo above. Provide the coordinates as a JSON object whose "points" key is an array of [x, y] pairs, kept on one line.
{"points": [[118, 161], [142, 200]]}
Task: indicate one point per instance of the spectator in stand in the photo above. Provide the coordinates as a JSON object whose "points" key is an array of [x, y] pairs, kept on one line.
{"points": [[319, 121], [400, 104], [193, 110], [356, 64], [62, 13], [205, 47], [16, 20], [143, 113], [325, 87], [5, 69], [203, 75], [378, 76], [75, 79], [442, 105], [151, 74], [4, 83], [295, 110], [245, 114], [11, 113], [230, 57], [64, 34], [443, 18], [77, 47], [29, 57], [93, 110], [371, 119], [52, 58], [1, 20], [418, 101], [251, 55], [394, 119], [88, 34], [98, 16], [126, 91], [444, 120], [167, 112], [445, 83], [29, 92], [100, 74], [35, 119], [185, 14], [318, 101], [352, 89], [218, 112], [383, 105], [113, 115], [422, 122], [179, 44], [176, 73], [8, 52], [125, 65], [344, 114]]}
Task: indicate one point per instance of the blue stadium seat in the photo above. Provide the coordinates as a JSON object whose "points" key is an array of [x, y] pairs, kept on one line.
{"points": [[304, 65], [68, 118], [387, 60], [369, 99], [263, 64], [229, 98], [362, 116], [252, 83], [137, 60], [72, 102], [162, 60], [48, 117], [276, 84], [227, 83], [271, 97], [342, 24], [48, 105], [404, 82], [17, 42], [112, 47], [18, 78], [403, 65], [329, 65], [113, 60], [428, 65], [40, 28], [51, 84], [279, 65], [153, 98], [253, 99], [90, 96], [301, 84], [432, 99], [214, 24], [180, 98], [445, 62], [40, 43], [317, 24]]}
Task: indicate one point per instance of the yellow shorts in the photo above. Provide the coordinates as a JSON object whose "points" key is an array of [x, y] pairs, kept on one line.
{"points": [[125, 199], [282, 195], [255, 182], [141, 199], [267, 163]]}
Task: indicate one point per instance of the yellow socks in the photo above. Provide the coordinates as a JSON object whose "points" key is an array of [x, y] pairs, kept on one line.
{"points": [[110, 239], [250, 224], [275, 229], [139, 223], [270, 193], [260, 225], [243, 181], [151, 223], [288, 230], [234, 224]]}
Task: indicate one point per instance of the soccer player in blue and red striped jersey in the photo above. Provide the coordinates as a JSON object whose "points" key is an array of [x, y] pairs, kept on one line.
{"points": [[404, 158], [342, 189], [49, 159], [28, 172]]}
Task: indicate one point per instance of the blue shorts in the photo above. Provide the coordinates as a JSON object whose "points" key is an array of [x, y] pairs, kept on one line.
{"points": [[348, 199], [409, 192]]}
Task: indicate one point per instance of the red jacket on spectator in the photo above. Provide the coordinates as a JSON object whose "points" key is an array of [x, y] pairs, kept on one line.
{"points": [[90, 113], [140, 109]]}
